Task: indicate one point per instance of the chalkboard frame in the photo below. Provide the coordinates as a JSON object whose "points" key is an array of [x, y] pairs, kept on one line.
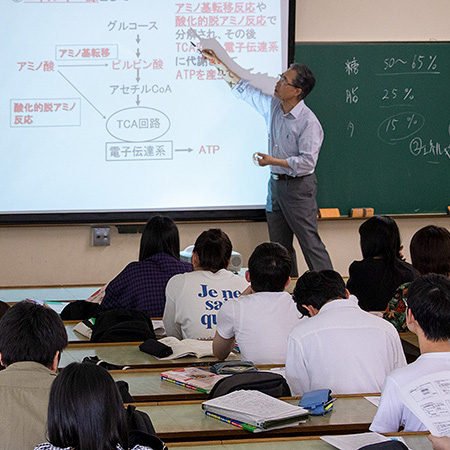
{"points": [[325, 182]]}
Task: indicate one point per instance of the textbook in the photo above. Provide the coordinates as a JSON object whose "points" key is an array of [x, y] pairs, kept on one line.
{"points": [[187, 347], [254, 408], [192, 378]]}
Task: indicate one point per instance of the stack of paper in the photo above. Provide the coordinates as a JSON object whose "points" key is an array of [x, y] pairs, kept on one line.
{"points": [[260, 411]]}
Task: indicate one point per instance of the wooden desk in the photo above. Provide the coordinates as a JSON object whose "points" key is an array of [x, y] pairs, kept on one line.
{"points": [[76, 338], [416, 441], [186, 421], [410, 344], [145, 385], [73, 336], [128, 354]]}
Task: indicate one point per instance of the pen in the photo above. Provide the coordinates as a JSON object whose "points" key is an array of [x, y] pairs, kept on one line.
{"points": [[236, 423], [196, 48]]}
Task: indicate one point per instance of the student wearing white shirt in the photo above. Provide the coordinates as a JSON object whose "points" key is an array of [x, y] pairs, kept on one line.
{"points": [[341, 347], [428, 316], [194, 298], [260, 320]]}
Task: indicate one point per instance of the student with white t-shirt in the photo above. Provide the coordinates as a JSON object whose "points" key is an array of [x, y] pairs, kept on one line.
{"points": [[428, 316], [260, 320], [340, 347], [193, 299]]}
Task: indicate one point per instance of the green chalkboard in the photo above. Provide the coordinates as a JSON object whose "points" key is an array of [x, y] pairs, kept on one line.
{"points": [[385, 110]]}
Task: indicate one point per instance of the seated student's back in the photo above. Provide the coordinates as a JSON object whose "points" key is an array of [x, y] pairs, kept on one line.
{"points": [[374, 279], [428, 316], [193, 299], [142, 284], [262, 319], [340, 347], [430, 253], [32, 338]]}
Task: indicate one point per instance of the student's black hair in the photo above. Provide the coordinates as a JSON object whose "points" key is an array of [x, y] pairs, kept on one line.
{"points": [[269, 267], [31, 332], [160, 235], [85, 410], [3, 308], [429, 301], [316, 288], [430, 250], [213, 248], [304, 79], [380, 236]]}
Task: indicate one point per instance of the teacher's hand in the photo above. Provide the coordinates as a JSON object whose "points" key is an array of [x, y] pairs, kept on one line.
{"points": [[265, 160], [210, 55]]}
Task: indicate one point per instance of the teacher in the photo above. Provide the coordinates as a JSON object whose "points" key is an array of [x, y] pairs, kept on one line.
{"points": [[295, 138]]}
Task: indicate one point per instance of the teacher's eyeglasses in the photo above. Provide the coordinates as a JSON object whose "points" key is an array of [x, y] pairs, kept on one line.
{"points": [[284, 80]]}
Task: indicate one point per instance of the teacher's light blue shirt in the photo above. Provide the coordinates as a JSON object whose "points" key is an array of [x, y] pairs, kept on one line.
{"points": [[296, 136]]}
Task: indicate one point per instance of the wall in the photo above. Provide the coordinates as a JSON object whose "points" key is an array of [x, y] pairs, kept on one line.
{"points": [[62, 255]]}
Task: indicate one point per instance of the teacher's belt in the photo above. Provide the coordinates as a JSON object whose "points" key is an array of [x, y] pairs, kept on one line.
{"points": [[282, 176]]}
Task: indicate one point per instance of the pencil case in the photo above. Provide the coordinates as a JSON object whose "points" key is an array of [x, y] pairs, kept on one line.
{"points": [[317, 402]]}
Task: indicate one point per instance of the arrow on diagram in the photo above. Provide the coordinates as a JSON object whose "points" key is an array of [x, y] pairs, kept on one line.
{"points": [[81, 94], [189, 150]]}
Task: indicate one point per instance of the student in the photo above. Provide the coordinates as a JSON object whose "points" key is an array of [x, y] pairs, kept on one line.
{"points": [[430, 253], [142, 284], [260, 320], [428, 316], [374, 279], [32, 338], [193, 299], [86, 412], [341, 347]]}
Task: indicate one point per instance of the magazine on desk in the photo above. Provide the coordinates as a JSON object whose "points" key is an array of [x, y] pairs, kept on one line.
{"points": [[187, 347], [192, 378], [254, 408]]}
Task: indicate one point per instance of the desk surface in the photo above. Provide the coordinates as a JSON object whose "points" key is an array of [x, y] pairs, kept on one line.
{"points": [[58, 293], [147, 386], [188, 422], [73, 336], [128, 354], [77, 338], [416, 441], [411, 338]]}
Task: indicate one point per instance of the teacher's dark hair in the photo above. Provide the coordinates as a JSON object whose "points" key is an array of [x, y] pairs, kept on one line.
{"points": [[31, 332], [85, 410], [430, 250], [213, 248], [160, 235], [304, 79]]}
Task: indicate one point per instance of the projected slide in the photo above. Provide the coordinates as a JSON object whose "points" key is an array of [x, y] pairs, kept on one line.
{"points": [[107, 105]]}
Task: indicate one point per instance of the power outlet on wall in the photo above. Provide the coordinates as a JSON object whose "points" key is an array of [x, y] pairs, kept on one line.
{"points": [[101, 237]]}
